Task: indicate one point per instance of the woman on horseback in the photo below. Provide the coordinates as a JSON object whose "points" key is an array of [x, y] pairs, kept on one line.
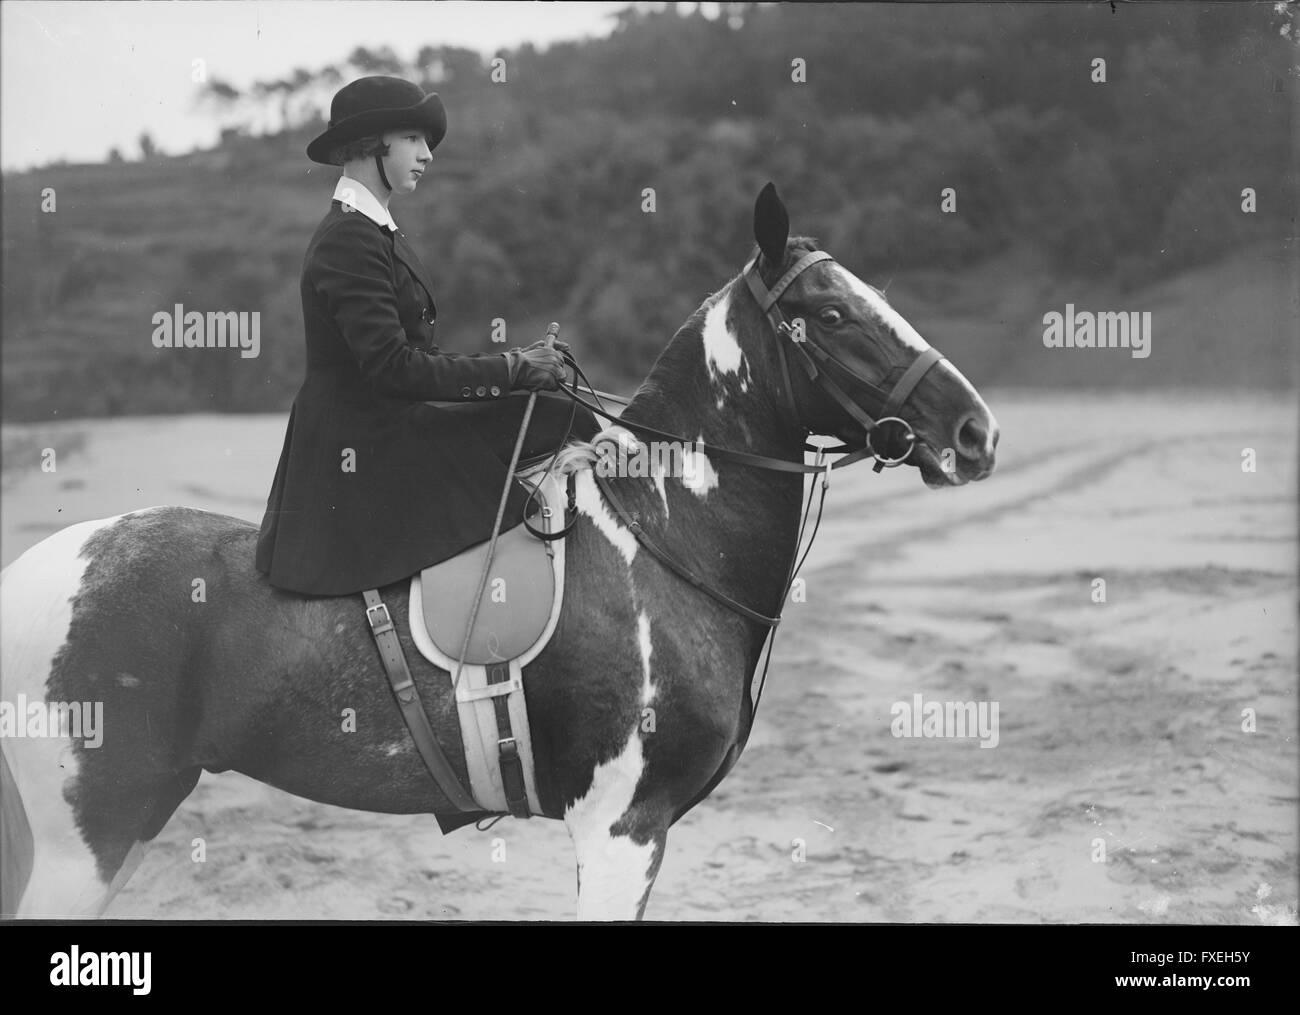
{"points": [[374, 483]]}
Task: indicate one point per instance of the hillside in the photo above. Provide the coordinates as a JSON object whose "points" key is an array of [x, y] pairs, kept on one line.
{"points": [[1123, 195]]}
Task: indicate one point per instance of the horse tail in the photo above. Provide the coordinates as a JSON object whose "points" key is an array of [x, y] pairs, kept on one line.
{"points": [[43, 855]]}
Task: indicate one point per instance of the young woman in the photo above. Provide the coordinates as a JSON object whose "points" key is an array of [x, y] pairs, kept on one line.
{"points": [[374, 483]]}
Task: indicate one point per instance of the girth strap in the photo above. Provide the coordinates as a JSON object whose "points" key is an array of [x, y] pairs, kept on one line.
{"points": [[408, 700], [512, 768]]}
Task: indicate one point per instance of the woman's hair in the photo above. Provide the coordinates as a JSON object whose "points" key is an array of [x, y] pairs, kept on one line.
{"points": [[361, 148]]}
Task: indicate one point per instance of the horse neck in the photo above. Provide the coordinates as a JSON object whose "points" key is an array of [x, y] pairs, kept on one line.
{"points": [[718, 382]]}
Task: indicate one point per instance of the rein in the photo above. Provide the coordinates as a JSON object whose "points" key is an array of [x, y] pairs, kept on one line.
{"points": [[768, 303], [724, 454]]}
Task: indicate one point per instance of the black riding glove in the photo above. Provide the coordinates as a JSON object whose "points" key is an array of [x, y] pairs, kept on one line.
{"points": [[537, 368]]}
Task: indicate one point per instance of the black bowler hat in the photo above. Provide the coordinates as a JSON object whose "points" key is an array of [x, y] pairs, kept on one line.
{"points": [[372, 105]]}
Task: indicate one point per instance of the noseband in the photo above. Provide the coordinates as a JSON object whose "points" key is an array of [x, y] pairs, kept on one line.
{"points": [[895, 430]]}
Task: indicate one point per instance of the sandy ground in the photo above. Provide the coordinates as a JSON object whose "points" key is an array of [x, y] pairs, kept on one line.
{"points": [[1120, 723]]}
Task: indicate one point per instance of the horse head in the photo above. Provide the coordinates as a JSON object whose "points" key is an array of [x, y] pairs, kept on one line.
{"points": [[853, 368]]}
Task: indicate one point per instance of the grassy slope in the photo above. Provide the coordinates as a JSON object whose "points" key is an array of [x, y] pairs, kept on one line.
{"points": [[227, 229]]}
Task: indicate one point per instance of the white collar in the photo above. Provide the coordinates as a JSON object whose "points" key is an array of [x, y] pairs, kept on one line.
{"points": [[355, 194]]}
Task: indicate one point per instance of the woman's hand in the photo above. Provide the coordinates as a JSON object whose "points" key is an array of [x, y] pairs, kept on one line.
{"points": [[537, 368]]}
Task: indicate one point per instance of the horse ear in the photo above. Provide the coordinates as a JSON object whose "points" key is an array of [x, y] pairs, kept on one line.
{"points": [[771, 225]]}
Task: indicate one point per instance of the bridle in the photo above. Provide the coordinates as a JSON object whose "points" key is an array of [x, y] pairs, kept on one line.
{"points": [[891, 401], [808, 351]]}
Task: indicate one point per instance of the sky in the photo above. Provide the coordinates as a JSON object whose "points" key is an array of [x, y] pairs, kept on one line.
{"points": [[79, 78]]}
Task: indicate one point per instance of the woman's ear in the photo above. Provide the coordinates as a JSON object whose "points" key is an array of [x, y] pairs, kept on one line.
{"points": [[771, 225]]}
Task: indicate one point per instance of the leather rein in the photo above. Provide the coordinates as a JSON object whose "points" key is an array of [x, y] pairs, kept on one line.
{"points": [[892, 402]]}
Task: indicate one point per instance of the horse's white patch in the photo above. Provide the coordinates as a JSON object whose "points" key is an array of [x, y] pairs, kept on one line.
{"points": [[891, 318], [36, 593], [613, 871], [660, 474], [699, 476], [908, 335], [661, 461], [643, 640], [592, 504], [722, 353]]}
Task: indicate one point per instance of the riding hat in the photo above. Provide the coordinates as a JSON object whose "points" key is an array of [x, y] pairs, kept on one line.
{"points": [[372, 105]]}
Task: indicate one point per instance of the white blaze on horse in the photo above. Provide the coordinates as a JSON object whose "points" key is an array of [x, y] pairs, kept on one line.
{"points": [[256, 679]]}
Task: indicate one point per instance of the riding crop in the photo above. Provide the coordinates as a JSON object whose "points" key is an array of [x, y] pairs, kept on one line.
{"points": [[552, 331]]}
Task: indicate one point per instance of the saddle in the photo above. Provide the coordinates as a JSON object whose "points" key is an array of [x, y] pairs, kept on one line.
{"points": [[513, 611], [516, 617]]}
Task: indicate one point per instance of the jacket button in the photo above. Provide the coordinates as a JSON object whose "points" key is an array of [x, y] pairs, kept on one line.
{"points": [[495, 391], [480, 391], [464, 392]]}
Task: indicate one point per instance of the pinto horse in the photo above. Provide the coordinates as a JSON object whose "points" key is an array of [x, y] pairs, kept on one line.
{"points": [[255, 679]]}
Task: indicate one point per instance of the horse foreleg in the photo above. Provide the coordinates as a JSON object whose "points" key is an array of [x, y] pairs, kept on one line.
{"points": [[615, 871], [618, 840]]}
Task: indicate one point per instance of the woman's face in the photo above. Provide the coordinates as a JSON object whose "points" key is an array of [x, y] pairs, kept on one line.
{"points": [[408, 158]]}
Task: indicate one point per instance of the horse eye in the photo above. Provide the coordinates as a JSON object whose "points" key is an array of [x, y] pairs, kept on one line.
{"points": [[829, 315]]}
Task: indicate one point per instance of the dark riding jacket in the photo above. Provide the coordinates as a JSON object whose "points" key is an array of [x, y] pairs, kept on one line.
{"points": [[373, 484]]}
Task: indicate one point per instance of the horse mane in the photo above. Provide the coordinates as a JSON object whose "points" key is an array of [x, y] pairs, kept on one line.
{"points": [[577, 455]]}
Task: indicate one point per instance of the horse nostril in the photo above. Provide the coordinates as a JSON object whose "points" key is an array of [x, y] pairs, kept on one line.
{"points": [[972, 437]]}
